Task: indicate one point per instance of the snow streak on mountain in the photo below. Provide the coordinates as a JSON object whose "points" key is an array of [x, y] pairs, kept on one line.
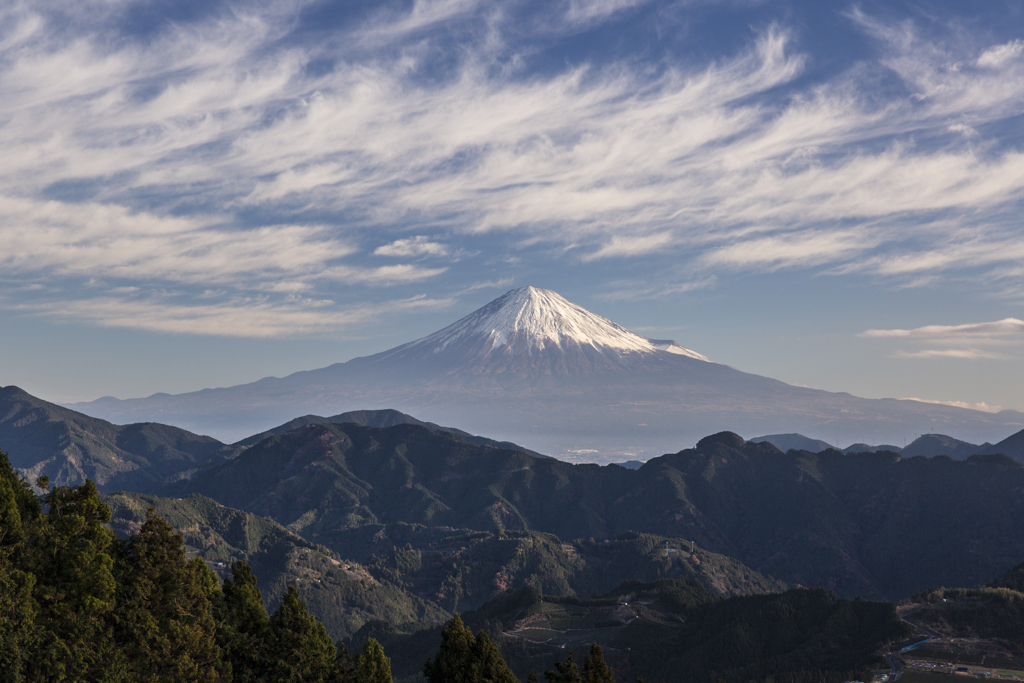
{"points": [[532, 329]]}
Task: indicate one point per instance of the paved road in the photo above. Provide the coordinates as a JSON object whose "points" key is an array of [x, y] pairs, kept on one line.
{"points": [[896, 666], [927, 631]]}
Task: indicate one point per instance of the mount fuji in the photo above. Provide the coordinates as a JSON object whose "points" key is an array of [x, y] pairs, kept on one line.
{"points": [[536, 369]]}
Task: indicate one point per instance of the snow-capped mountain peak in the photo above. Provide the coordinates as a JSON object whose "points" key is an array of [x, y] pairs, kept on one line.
{"points": [[530, 322], [539, 318]]}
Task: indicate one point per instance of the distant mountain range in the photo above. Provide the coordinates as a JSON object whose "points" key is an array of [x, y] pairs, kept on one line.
{"points": [[535, 369], [927, 445]]}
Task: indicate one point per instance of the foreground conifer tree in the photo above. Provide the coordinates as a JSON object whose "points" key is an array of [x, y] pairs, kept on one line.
{"points": [[595, 668], [565, 672], [165, 609], [68, 552], [19, 513], [464, 658], [243, 627], [372, 666], [300, 649]]}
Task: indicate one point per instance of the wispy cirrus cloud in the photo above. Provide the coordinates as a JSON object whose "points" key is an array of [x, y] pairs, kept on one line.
{"points": [[809, 248], [227, 317], [144, 162], [958, 341], [626, 291], [412, 246], [97, 240], [970, 354], [1007, 326]]}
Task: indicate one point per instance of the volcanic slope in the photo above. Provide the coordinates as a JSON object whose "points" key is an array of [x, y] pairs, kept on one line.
{"points": [[535, 369], [870, 524]]}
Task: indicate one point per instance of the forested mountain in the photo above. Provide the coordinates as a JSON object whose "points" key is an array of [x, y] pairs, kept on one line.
{"points": [[790, 442], [42, 438], [865, 524], [379, 418], [981, 626], [342, 594], [384, 532], [930, 445], [416, 574], [1012, 445]]}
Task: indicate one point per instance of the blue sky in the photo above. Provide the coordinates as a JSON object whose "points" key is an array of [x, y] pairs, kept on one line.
{"points": [[200, 194]]}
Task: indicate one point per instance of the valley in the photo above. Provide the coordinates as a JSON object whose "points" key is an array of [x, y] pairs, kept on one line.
{"points": [[964, 632]]}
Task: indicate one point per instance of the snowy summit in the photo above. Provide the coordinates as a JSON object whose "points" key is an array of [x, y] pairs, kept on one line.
{"points": [[535, 323]]}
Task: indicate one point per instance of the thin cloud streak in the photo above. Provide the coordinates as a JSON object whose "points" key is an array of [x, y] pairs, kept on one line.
{"points": [[970, 354], [412, 246], [1007, 326], [108, 241], [600, 162], [633, 291], [982, 406], [237, 317], [961, 341]]}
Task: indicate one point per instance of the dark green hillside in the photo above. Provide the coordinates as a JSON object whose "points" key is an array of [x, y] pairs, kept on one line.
{"points": [[324, 477], [869, 524], [789, 442], [982, 626], [405, 573], [460, 569], [1012, 445], [674, 631], [930, 445], [381, 418], [340, 593], [69, 447], [1013, 579]]}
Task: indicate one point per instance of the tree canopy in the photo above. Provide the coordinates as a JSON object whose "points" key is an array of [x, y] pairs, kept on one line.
{"points": [[79, 604]]}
